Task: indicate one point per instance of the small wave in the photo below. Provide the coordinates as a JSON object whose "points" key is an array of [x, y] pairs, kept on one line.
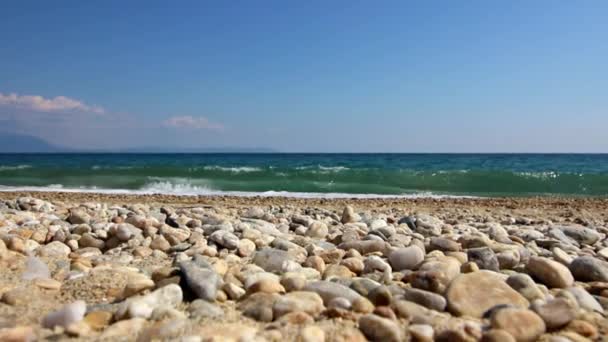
{"points": [[14, 167], [100, 167], [236, 169], [320, 169], [539, 175]]}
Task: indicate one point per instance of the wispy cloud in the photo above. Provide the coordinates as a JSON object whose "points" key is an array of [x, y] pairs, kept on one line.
{"points": [[193, 123], [40, 104]]}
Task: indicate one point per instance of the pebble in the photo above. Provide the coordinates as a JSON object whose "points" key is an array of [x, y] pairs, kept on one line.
{"points": [[246, 247], [67, 315], [421, 332], [380, 295], [427, 299], [204, 282], [524, 325], [308, 302], [271, 259], [526, 286], [349, 215], [330, 290], [376, 328], [585, 300], [54, 249], [311, 334], [484, 257], [549, 272], [203, 309], [407, 258], [98, 320], [118, 330], [586, 268], [556, 312], [142, 307], [583, 328], [464, 299], [35, 268], [497, 335]]}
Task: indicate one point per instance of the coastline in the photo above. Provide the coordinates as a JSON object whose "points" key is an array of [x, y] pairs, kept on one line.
{"points": [[433, 203]]}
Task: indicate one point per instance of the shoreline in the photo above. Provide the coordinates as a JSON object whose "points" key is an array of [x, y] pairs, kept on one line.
{"points": [[508, 205]]}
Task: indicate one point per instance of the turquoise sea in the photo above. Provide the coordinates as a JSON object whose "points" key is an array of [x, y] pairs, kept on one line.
{"points": [[311, 175]]}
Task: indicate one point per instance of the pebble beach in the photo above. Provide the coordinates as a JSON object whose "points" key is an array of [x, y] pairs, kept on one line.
{"points": [[103, 267]]}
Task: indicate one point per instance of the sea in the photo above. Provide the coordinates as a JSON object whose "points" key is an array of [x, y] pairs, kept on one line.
{"points": [[311, 175]]}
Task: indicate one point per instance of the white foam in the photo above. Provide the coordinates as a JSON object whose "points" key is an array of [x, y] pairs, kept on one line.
{"points": [[236, 169], [320, 169], [14, 167]]}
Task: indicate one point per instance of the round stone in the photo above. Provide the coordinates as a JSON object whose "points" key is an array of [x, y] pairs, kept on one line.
{"points": [[524, 325], [377, 328], [549, 272], [406, 258]]}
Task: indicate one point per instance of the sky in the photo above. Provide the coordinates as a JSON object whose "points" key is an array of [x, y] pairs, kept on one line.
{"points": [[308, 76]]}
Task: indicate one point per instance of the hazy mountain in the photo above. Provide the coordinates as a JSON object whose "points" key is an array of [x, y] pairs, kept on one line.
{"points": [[195, 150], [19, 143]]}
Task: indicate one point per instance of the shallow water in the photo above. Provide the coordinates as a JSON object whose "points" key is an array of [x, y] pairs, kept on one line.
{"points": [[311, 175]]}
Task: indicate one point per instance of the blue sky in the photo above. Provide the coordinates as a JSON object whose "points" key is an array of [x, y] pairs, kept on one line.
{"points": [[314, 76]]}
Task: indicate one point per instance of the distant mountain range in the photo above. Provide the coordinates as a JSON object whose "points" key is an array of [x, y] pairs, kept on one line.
{"points": [[20, 143]]}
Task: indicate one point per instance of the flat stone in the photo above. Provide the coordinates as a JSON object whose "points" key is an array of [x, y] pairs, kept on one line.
{"points": [[272, 259], [308, 302], [98, 320], [524, 325], [582, 234], [376, 328], [137, 283], [427, 299], [54, 249], [464, 299], [587, 268], [549, 272], [556, 312], [330, 290], [266, 286], [366, 246], [48, 284], [130, 327], [585, 300], [203, 309]]}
